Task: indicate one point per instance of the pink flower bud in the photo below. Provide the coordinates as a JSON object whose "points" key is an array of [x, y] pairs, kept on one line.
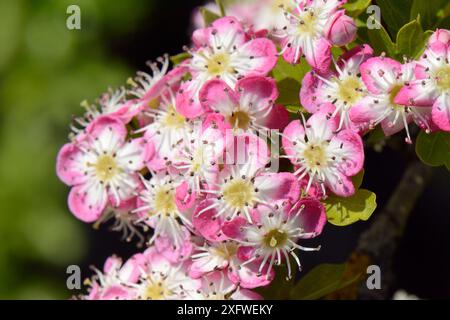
{"points": [[340, 29]]}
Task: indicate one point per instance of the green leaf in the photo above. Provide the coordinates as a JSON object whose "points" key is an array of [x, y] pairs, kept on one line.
{"points": [[208, 16], [289, 78], [427, 12], [434, 148], [381, 41], [345, 211], [221, 7], [321, 281], [395, 13], [355, 7], [179, 58], [358, 179], [411, 39]]}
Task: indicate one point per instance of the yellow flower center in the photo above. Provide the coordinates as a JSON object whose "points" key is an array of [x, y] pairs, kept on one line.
{"points": [[155, 291], [315, 155], [165, 201], [225, 251], [238, 193], [443, 78], [173, 119], [106, 168], [307, 24], [349, 90], [219, 64], [275, 238], [394, 93], [239, 120]]}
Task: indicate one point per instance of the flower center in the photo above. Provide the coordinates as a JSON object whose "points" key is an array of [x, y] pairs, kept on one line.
{"points": [[219, 64], [239, 120], [349, 90], [307, 23], [165, 201], [395, 90], [443, 78], [275, 238], [225, 251], [173, 119], [106, 168], [155, 291], [315, 155], [238, 193]]}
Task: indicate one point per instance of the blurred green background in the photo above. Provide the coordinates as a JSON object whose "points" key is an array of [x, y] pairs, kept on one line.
{"points": [[45, 71]]}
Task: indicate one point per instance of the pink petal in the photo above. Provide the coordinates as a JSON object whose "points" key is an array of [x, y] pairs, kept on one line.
{"points": [[378, 74], [66, 165], [441, 112], [87, 207], [293, 131], [312, 217], [352, 145], [276, 186], [261, 54], [218, 96], [319, 55], [277, 119]]}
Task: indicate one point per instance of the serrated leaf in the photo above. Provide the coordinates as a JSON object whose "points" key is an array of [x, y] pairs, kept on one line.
{"points": [[434, 148], [345, 211], [355, 7], [411, 39], [321, 281], [381, 41], [208, 16], [395, 13]]}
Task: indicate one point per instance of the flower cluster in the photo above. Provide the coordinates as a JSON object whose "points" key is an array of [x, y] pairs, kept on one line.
{"points": [[181, 158]]}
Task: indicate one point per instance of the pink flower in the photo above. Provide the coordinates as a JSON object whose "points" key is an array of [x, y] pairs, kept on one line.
{"points": [[311, 29], [223, 51], [384, 79], [110, 284], [250, 106], [343, 87], [242, 184], [102, 168], [164, 280], [274, 235], [431, 85], [165, 130], [324, 158], [158, 209], [217, 286]]}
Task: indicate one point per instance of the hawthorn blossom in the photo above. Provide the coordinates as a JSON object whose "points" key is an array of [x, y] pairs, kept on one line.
{"points": [[109, 284], [197, 156], [311, 29], [250, 106], [167, 128], [431, 84], [158, 208], [243, 184], [223, 256], [343, 87], [276, 232], [325, 159], [223, 51], [217, 286], [384, 78], [161, 279], [102, 168]]}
